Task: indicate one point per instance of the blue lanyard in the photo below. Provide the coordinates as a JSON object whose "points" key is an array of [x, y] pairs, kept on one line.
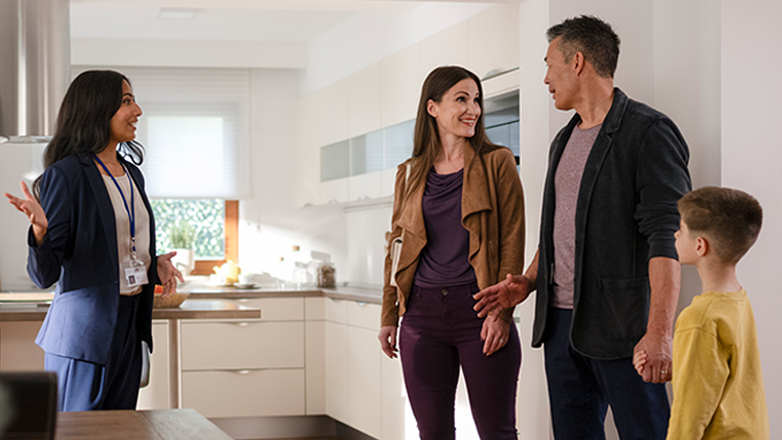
{"points": [[132, 211]]}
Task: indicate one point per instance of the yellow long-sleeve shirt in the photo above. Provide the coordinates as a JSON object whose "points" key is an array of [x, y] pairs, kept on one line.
{"points": [[717, 378]]}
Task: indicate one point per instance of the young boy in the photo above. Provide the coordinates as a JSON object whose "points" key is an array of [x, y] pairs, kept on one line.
{"points": [[717, 380]]}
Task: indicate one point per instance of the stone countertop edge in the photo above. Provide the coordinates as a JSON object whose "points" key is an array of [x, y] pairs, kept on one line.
{"points": [[34, 306]]}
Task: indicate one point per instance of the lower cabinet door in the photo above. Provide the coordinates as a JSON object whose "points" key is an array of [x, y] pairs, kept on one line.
{"points": [[248, 393], [155, 395], [365, 386]]}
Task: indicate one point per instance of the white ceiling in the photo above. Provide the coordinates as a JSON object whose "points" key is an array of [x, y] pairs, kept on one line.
{"points": [[298, 21]]}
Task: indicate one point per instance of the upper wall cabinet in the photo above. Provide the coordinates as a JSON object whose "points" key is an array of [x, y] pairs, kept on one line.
{"points": [[494, 39], [364, 101], [332, 112], [449, 47], [400, 85]]}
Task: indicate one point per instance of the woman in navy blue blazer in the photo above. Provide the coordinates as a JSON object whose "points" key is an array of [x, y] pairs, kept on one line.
{"points": [[93, 233]]}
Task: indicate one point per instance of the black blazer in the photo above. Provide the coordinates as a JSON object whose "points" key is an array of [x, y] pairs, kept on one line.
{"points": [[625, 215], [79, 253]]}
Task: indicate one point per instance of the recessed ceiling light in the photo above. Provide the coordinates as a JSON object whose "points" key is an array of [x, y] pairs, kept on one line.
{"points": [[176, 13]]}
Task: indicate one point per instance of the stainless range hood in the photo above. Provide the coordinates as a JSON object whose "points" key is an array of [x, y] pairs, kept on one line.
{"points": [[34, 67]]}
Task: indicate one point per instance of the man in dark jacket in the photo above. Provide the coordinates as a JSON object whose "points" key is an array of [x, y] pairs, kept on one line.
{"points": [[606, 270]]}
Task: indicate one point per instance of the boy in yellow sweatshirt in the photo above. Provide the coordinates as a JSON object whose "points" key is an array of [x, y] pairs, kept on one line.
{"points": [[717, 379]]}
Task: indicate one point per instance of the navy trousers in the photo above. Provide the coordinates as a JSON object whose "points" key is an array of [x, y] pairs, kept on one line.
{"points": [[85, 386], [581, 388], [439, 332]]}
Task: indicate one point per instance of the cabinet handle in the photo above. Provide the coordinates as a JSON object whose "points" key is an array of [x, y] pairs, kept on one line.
{"points": [[361, 303], [242, 372], [241, 324]]}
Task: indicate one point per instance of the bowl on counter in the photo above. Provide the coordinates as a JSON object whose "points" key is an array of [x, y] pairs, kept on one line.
{"points": [[170, 302]]}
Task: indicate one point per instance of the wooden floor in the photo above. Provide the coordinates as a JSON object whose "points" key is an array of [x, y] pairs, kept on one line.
{"points": [[310, 438]]}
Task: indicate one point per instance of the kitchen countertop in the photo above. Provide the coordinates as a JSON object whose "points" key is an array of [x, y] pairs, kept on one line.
{"points": [[33, 306], [197, 309]]}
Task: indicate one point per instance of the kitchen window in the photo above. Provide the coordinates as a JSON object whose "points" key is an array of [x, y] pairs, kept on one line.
{"points": [[196, 165]]}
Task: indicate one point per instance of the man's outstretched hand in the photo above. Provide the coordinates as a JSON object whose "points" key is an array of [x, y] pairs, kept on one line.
{"points": [[513, 290]]}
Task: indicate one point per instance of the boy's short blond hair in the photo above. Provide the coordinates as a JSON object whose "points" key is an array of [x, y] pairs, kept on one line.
{"points": [[729, 218]]}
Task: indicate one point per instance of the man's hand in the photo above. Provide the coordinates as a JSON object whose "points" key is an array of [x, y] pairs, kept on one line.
{"points": [[653, 355], [387, 338], [513, 290]]}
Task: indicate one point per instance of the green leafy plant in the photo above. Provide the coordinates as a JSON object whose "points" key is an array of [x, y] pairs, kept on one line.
{"points": [[182, 235]]}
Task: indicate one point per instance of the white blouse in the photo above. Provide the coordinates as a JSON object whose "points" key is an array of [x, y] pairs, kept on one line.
{"points": [[123, 228]]}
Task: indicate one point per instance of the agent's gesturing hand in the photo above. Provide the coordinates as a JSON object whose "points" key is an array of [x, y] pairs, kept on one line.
{"points": [[30, 207]]}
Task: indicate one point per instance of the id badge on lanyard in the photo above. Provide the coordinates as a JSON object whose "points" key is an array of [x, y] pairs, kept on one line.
{"points": [[134, 270]]}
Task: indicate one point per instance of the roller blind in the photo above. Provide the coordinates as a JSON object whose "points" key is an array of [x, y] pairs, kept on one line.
{"points": [[195, 131]]}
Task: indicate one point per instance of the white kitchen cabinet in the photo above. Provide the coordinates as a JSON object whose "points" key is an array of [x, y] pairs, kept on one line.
{"points": [[307, 151], [315, 354], [363, 315], [387, 182], [244, 393], [365, 186], [334, 191], [364, 387], [332, 112], [397, 419], [400, 85], [337, 375], [364, 101], [447, 47], [156, 394], [238, 368], [315, 332], [18, 351], [494, 39], [242, 345]]}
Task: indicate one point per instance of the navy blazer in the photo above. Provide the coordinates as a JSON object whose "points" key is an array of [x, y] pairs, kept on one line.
{"points": [[625, 215], [79, 253]]}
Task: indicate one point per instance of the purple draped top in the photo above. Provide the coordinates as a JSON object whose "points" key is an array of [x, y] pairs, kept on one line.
{"points": [[444, 259]]}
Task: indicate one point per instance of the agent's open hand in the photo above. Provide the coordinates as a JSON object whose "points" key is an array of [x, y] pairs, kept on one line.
{"points": [[30, 207], [513, 290], [168, 274]]}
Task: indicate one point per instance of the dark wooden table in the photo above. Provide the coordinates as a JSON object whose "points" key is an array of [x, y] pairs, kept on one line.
{"points": [[165, 424]]}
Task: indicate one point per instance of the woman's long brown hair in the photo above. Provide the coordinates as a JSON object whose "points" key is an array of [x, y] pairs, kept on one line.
{"points": [[426, 143]]}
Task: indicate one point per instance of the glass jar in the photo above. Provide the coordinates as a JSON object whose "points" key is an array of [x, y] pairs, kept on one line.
{"points": [[327, 275]]}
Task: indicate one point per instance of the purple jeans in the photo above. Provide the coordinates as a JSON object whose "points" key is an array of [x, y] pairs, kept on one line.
{"points": [[439, 332]]}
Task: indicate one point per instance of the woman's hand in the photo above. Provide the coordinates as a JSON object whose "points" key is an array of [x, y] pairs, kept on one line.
{"points": [[494, 333], [387, 338], [32, 209], [168, 274]]}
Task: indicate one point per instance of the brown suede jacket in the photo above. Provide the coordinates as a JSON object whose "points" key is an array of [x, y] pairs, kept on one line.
{"points": [[492, 212]]}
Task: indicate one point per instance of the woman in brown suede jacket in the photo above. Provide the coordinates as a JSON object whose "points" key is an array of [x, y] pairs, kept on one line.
{"points": [[459, 209]]}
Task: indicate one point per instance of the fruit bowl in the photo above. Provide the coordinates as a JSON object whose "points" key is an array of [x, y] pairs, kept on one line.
{"points": [[170, 302]]}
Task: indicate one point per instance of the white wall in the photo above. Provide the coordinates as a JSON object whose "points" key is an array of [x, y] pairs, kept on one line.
{"points": [[370, 36], [270, 221], [20, 162], [751, 158]]}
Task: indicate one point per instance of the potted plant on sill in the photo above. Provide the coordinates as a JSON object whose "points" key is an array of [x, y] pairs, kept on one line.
{"points": [[182, 241]]}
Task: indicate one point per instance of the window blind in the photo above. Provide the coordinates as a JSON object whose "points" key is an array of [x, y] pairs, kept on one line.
{"points": [[194, 130]]}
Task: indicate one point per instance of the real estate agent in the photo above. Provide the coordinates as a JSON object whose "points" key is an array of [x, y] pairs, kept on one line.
{"points": [[92, 232]]}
